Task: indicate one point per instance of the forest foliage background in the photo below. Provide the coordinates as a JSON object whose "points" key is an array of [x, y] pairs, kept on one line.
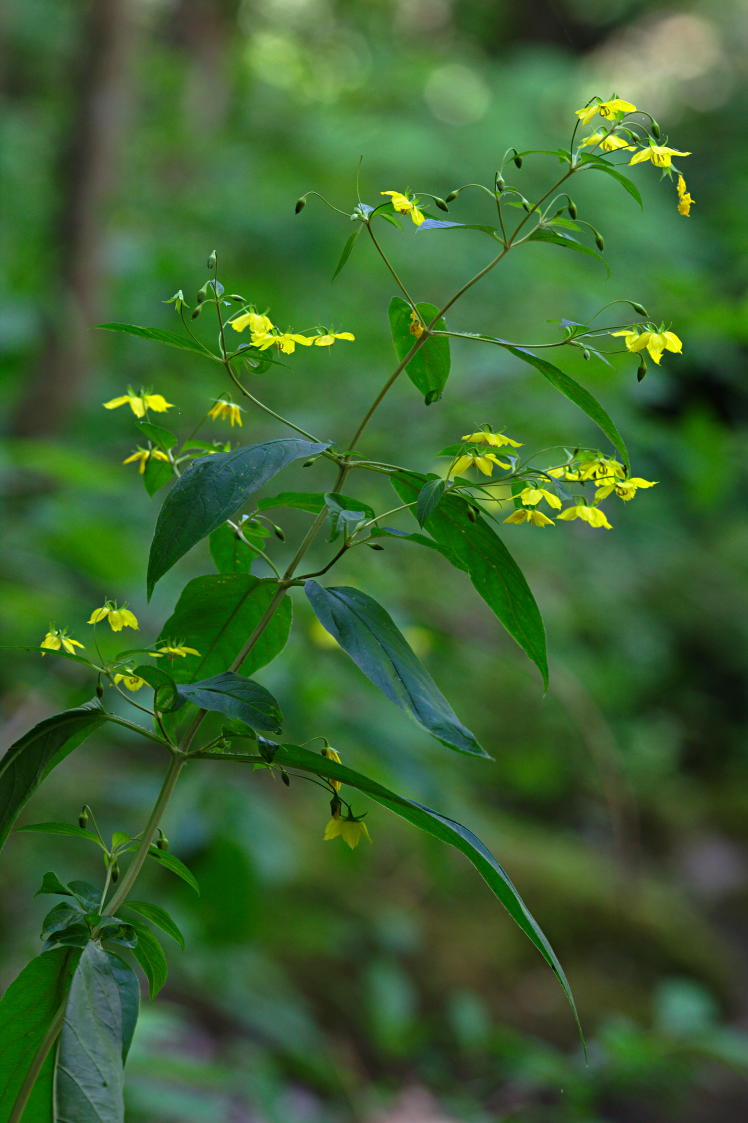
{"points": [[137, 136]]}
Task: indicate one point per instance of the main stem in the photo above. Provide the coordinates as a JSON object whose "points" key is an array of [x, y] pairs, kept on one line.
{"points": [[24, 1093]]}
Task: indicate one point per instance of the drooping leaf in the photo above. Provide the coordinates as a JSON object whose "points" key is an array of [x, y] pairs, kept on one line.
{"points": [[169, 338], [32, 758], [52, 884], [558, 238], [347, 250], [601, 165], [170, 862], [429, 498], [369, 635], [150, 955], [210, 491], [128, 989], [441, 224], [473, 546], [27, 1008], [235, 697], [89, 1084], [159, 917], [428, 370], [159, 436], [70, 830]]}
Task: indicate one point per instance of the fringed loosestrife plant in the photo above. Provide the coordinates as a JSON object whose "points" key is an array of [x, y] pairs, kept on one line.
{"points": [[198, 700]]}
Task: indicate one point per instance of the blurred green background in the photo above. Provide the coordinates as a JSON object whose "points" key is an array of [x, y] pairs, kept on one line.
{"points": [[386, 985]]}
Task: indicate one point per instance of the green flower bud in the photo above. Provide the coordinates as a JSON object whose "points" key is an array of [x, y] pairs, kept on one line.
{"points": [[285, 777], [517, 160], [212, 260], [572, 209], [300, 204], [656, 130], [196, 312], [374, 546], [440, 203], [162, 842], [452, 196], [499, 182], [641, 371], [83, 817], [585, 354], [599, 242], [115, 873], [639, 308]]}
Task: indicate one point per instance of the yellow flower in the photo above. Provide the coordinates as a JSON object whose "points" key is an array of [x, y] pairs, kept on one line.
{"points": [[403, 205], [529, 515], [624, 489], [530, 496], [351, 830], [143, 455], [655, 342], [329, 338], [485, 436], [331, 754], [118, 618], [416, 325], [139, 403], [566, 472], [173, 649], [286, 341], [484, 462], [255, 321], [56, 639], [608, 109], [592, 515], [660, 155], [223, 409], [609, 142], [685, 201], [601, 468], [130, 680]]}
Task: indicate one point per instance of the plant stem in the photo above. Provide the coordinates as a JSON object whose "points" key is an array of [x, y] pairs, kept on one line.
{"points": [[24, 1093]]}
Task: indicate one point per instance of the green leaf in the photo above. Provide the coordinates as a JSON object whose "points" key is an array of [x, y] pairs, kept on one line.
{"points": [[575, 393], [32, 758], [235, 697], [59, 918], [210, 491], [312, 501], [181, 342], [474, 547], [230, 553], [345, 515], [175, 866], [346, 251], [159, 917], [558, 238], [27, 1008], [150, 955], [89, 1086], [216, 614], [428, 370], [165, 695], [157, 474], [88, 895], [52, 884], [599, 164], [429, 498], [369, 635], [441, 224], [158, 435], [128, 989], [67, 829]]}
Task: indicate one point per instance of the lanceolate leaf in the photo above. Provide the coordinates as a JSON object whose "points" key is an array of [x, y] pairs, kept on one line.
{"points": [[558, 238], [463, 839], [216, 615], [236, 697], [429, 498], [90, 1077], [150, 956], [472, 545], [29, 760], [26, 1010], [346, 251], [181, 342], [159, 917], [210, 491], [369, 635], [175, 866], [128, 988], [428, 370], [602, 165]]}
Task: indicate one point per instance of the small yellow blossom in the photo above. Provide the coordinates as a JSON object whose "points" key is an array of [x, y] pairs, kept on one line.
{"points": [[403, 205], [601, 468], [140, 403], [529, 515], [143, 455], [655, 342], [255, 321], [118, 618], [351, 830], [484, 462], [624, 489], [685, 201], [660, 155], [329, 338], [608, 109], [565, 472], [416, 325], [130, 680], [487, 437], [592, 515], [173, 649], [531, 496], [56, 639], [222, 409], [285, 340], [333, 755]]}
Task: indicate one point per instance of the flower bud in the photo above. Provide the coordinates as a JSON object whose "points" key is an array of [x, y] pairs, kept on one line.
{"points": [[237, 296], [517, 160], [300, 204], [639, 308], [202, 293], [99, 690], [572, 209], [471, 514], [440, 203], [279, 533], [285, 777], [115, 873], [525, 204], [162, 842], [196, 312], [452, 196], [83, 817], [641, 371], [599, 242], [656, 130], [212, 260], [499, 182], [585, 354], [374, 546]]}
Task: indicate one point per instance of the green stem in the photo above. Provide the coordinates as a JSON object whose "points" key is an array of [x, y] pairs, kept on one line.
{"points": [[53, 1032], [391, 268]]}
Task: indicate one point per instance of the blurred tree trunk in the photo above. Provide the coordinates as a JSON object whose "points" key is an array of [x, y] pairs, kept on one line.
{"points": [[87, 163]]}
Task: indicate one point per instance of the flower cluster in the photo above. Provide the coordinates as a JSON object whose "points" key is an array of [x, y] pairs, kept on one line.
{"points": [[264, 334]]}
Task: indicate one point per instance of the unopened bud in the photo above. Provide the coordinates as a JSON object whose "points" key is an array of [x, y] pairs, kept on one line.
{"points": [[499, 181], [440, 203], [279, 533], [196, 312], [639, 308], [115, 873], [212, 260], [599, 241], [572, 209], [308, 463], [641, 371], [83, 817], [237, 296], [202, 294], [472, 515], [99, 690], [656, 130], [585, 354], [300, 204], [525, 204], [374, 546], [285, 777], [162, 842], [517, 160]]}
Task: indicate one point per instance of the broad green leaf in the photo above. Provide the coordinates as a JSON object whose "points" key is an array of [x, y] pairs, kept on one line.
{"points": [[32, 758], [128, 989], [181, 342], [59, 918], [211, 491], [575, 393], [160, 436], [368, 634], [429, 498], [150, 955], [428, 370], [70, 830], [159, 917], [165, 696], [599, 164], [175, 866], [474, 547], [312, 501], [235, 697], [230, 553], [157, 474], [558, 238], [52, 884], [216, 615], [345, 515], [26, 1010], [89, 1085], [346, 251]]}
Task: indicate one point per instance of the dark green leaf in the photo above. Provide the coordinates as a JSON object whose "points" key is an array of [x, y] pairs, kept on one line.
{"points": [[558, 238], [165, 695], [59, 918], [216, 615], [210, 491], [346, 252], [230, 553], [181, 342], [128, 989], [429, 498], [159, 436], [89, 1084], [235, 697], [68, 829], [601, 165], [369, 635], [312, 501], [150, 956], [87, 894], [52, 884], [27, 1008], [29, 760], [428, 370], [345, 515], [159, 917], [175, 866], [474, 547]]}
